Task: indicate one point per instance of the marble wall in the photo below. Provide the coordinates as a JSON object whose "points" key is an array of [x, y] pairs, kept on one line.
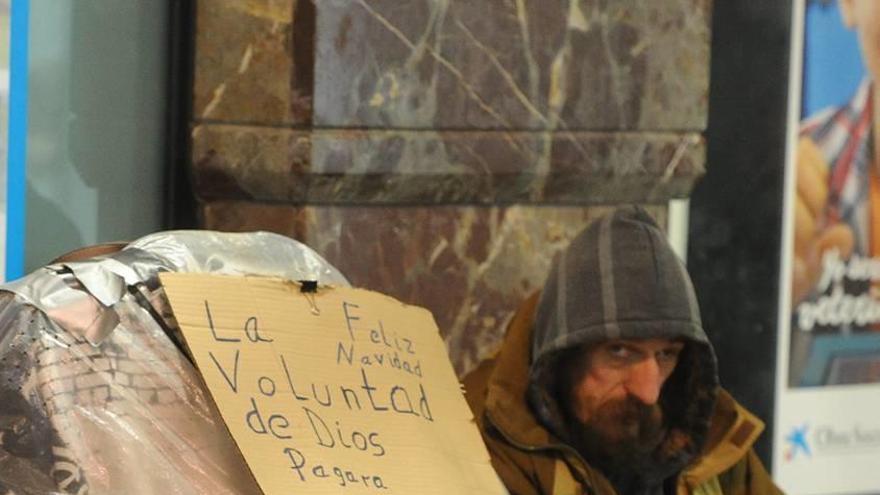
{"points": [[442, 151]]}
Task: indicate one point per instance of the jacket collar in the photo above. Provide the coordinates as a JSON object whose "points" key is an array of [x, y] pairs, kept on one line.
{"points": [[732, 434], [506, 403]]}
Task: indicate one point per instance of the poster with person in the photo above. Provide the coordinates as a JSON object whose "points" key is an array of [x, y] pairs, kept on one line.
{"points": [[827, 426]]}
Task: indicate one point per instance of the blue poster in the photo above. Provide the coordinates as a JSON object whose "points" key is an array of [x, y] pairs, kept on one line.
{"points": [[14, 19]]}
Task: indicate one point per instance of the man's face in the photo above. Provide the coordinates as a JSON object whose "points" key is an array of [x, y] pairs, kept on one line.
{"points": [[615, 388], [864, 17]]}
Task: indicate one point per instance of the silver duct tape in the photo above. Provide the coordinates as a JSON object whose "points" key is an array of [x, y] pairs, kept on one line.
{"points": [[41, 288], [83, 303], [108, 279], [256, 253], [72, 310], [79, 296], [105, 285], [136, 265]]}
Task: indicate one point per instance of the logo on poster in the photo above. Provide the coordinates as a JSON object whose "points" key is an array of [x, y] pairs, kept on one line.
{"points": [[830, 440], [797, 442]]}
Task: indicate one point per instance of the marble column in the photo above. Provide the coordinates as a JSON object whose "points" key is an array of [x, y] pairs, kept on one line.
{"points": [[442, 151]]}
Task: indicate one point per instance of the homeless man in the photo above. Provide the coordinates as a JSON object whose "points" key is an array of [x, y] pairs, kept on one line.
{"points": [[607, 384]]}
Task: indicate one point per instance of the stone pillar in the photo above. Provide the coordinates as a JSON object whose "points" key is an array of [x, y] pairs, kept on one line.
{"points": [[442, 151]]}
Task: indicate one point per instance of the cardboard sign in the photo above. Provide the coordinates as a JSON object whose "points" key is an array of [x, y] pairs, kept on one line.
{"points": [[342, 391]]}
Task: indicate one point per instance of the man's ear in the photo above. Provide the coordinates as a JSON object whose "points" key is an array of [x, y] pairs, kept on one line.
{"points": [[847, 12]]}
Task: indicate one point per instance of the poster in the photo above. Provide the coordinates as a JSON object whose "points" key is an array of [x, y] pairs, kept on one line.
{"points": [[827, 435], [339, 391]]}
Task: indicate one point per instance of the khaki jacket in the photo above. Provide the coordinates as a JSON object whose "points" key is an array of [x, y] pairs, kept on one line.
{"points": [[530, 461]]}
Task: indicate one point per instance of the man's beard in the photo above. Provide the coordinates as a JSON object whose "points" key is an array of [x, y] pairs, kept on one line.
{"points": [[620, 437]]}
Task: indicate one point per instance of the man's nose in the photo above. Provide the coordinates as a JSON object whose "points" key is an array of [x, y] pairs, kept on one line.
{"points": [[645, 381]]}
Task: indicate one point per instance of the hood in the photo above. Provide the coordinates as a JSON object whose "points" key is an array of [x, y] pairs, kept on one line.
{"points": [[620, 279]]}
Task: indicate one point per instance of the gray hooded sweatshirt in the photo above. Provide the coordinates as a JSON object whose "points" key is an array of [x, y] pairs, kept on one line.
{"points": [[620, 279]]}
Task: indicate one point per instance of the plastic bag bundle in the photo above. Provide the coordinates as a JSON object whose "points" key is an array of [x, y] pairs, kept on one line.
{"points": [[97, 394]]}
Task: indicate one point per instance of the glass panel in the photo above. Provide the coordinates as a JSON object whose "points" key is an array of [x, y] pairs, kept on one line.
{"points": [[96, 132]]}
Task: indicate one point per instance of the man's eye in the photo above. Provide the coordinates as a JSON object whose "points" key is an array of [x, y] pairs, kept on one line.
{"points": [[669, 355], [618, 351]]}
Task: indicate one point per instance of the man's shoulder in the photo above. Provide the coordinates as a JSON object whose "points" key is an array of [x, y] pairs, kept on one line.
{"points": [[733, 458], [476, 384], [523, 472], [512, 354], [739, 424], [732, 434]]}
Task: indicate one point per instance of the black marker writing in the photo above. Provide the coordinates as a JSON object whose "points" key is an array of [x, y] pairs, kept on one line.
{"points": [[213, 330], [403, 344], [340, 353], [349, 318], [233, 383], [267, 386], [399, 394], [328, 437], [290, 380], [346, 353], [369, 388], [276, 423], [343, 477], [297, 461], [252, 330]]}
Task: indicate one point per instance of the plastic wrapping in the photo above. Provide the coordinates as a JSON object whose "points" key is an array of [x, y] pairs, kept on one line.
{"points": [[96, 395]]}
